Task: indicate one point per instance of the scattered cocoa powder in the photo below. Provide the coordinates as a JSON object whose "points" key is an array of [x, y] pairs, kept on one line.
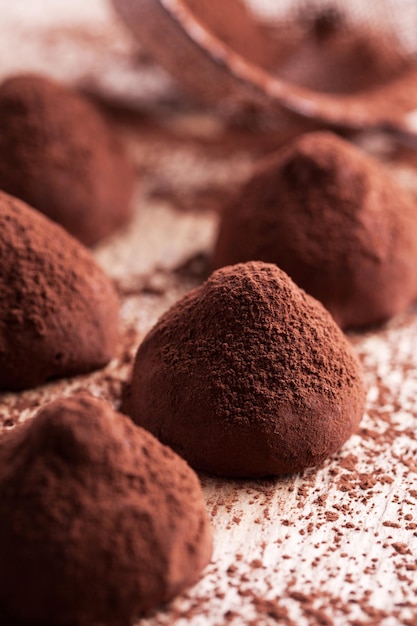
{"points": [[59, 155], [59, 311], [386, 439], [247, 376], [335, 221], [98, 520]]}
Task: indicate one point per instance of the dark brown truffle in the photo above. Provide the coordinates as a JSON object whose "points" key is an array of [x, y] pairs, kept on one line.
{"points": [[59, 311], [335, 221], [59, 155], [248, 376], [98, 520]]}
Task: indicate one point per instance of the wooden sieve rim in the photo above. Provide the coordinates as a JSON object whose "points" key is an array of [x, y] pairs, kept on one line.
{"points": [[382, 107]]}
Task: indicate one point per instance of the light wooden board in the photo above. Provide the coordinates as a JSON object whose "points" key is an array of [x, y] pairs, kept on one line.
{"points": [[336, 545]]}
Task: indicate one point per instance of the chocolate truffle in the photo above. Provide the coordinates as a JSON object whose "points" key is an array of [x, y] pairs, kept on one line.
{"points": [[335, 221], [59, 311], [248, 375], [98, 520], [58, 154]]}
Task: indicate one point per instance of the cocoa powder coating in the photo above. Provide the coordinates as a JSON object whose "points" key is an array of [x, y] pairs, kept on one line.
{"points": [[335, 221], [98, 520], [248, 376], [59, 311], [59, 155]]}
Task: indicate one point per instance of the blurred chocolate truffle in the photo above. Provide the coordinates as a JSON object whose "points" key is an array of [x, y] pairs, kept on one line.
{"points": [[58, 154], [335, 221], [59, 311], [98, 520], [248, 375]]}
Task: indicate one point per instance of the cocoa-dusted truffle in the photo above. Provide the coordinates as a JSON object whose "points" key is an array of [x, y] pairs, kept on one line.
{"points": [[59, 311], [58, 154], [248, 376], [98, 520], [335, 221]]}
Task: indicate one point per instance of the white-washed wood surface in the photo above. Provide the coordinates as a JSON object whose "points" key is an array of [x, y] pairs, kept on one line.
{"points": [[336, 545]]}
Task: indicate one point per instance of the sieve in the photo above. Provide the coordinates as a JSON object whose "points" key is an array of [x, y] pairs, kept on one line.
{"points": [[345, 64]]}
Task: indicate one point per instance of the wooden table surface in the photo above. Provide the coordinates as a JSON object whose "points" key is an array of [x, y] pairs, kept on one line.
{"points": [[335, 545]]}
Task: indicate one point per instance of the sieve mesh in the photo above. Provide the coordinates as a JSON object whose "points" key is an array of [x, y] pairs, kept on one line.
{"points": [[344, 63], [327, 46]]}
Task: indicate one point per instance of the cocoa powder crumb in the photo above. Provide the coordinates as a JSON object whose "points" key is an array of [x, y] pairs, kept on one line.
{"points": [[98, 491], [60, 156], [224, 346], [314, 209], [59, 313]]}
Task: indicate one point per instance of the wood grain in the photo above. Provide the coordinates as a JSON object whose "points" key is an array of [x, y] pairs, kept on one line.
{"points": [[336, 545]]}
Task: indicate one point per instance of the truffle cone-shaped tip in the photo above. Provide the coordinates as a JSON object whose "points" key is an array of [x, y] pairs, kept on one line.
{"points": [[248, 376]]}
